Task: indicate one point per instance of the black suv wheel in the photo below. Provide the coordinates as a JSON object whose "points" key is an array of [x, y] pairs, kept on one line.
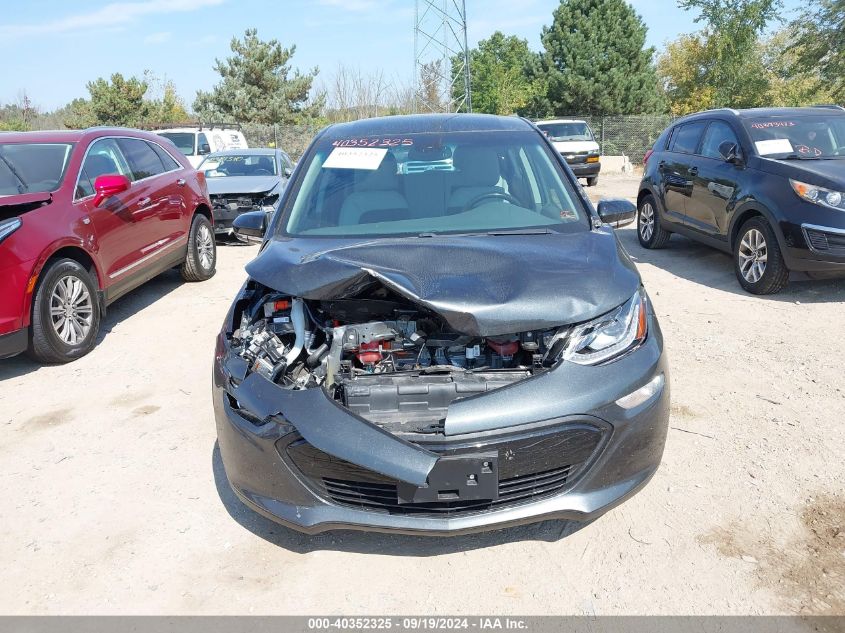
{"points": [[758, 262], [649, 231]]}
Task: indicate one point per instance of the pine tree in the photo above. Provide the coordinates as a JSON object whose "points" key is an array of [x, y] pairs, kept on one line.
{"points": [[596, 62]]}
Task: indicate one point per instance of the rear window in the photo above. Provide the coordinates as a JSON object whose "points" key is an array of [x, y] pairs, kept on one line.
{"points": [[32, 167], [686, 137], [143, 161]]}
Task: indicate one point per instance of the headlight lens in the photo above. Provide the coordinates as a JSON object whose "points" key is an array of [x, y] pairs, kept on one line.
{"points": [[819, 195], [606, 338]]}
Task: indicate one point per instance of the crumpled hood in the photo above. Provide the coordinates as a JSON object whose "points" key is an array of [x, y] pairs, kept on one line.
{"points": [[241, 184], [481, 285]]}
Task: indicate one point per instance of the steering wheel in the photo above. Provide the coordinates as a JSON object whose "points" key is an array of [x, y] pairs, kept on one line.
{"points": [[262, 172], [839, 151], [499, 195]]}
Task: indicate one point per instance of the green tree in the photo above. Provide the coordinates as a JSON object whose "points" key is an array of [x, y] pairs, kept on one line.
{"points": [[820, 43], [258, 86], [119, 101], [500, 73], [683, 69], [792, 82], [733, 67], [596, 62]]}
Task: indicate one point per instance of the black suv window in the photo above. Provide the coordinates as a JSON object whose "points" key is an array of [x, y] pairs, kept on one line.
{"points": [[686, 137], [143, 161], [717, 133]]}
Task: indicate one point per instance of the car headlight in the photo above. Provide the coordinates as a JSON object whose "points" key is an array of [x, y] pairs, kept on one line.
{"points": [[606, 338], [7, 227], [819, 195]]}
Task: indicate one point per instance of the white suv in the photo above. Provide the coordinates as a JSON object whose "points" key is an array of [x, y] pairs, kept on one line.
{"points": [[197, 142]]}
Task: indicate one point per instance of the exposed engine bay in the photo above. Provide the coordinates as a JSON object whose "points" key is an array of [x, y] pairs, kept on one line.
{"points": [[381, 356]]}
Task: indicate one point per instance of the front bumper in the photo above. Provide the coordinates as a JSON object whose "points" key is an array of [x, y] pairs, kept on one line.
{"points": [[814, 242], [584, 170], [269, 467]]}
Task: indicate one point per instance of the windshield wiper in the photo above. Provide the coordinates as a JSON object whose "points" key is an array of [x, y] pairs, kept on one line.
{"points": [[798, 157], [23, 186], [542, 231]]}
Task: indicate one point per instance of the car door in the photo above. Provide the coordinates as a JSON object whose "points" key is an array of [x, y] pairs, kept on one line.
{"points": [[715, 183], [121, 239], [676, 169]]}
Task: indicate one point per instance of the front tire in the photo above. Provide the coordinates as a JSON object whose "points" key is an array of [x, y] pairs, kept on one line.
{"points": [[65, 314], [758, 262], [592, 181], [649, 231], [201, 259]]}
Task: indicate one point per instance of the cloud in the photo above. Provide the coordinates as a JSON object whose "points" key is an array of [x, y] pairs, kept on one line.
{"points": [[110, 15], [158, 38]]}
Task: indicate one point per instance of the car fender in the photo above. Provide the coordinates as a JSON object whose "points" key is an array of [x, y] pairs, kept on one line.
{"points": [[746, 209], [45, 256]]}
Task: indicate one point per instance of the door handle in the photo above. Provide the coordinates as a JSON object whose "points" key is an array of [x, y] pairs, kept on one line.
{"points": [[693, 171], [181, 182], [144, 202]]}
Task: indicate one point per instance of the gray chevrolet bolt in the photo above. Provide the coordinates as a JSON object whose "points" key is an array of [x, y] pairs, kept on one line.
{"points": [[440, 334]]}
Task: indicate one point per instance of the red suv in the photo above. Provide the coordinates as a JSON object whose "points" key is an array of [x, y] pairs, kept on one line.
{"points": [[85, 217]]}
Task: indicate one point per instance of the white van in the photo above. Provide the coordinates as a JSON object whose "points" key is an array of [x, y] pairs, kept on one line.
{"points": [[576, 142], [196, 142]]}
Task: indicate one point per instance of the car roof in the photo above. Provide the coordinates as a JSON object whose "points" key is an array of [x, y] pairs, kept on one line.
{"points": [[73, 136], [751, 113], [560, 121], [423, 123], [258, 151], [194, 130]]}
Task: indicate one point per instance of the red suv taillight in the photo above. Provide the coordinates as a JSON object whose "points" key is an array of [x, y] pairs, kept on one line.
{"points": [[647, 156]]}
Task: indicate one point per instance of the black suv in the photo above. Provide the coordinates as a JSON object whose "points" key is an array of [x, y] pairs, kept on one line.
{"points": [[767, 185]]}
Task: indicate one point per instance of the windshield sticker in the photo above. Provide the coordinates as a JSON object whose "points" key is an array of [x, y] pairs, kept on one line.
{"points": [[764, 125], [355, 158], [774, 146], [373, 142]]}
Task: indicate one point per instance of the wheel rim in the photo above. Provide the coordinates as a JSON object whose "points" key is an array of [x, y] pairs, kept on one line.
{"points": [[753, 256], [71, 310], [646, 222], [205, 247]]}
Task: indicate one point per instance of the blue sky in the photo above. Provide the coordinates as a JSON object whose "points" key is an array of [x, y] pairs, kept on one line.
{"points": [[53, 47]]}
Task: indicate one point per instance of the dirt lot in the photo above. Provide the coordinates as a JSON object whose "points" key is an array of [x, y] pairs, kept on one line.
{"points": [[113, 499]]}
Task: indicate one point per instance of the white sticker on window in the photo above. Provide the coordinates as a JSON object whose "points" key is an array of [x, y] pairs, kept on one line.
{"points": [[355, 158], [774, 146]]}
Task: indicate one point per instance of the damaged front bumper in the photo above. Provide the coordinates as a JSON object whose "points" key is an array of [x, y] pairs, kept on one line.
{"points": [[558, 445]]}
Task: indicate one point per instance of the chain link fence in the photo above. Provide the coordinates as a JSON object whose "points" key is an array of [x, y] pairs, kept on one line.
{"points": [[293, 139], [630, 135]]}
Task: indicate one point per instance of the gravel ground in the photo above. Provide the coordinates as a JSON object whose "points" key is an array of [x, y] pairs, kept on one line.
{"points": [[113, 499]]}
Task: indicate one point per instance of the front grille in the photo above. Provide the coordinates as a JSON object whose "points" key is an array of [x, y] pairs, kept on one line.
{"points": [[825, 242], [383, 496], [532, 465]]}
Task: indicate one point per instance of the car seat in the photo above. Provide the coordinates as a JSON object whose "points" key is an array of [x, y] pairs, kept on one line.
{"points": [[376, 197], [477, 172]]}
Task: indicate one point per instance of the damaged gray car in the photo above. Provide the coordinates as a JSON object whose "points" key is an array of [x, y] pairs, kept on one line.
{"points": [[440, 334]]}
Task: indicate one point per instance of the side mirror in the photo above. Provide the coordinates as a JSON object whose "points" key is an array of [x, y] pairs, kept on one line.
{"points": [[250, 226], [204, 149], [288, 172], [617, 211], [729, 151], [109, 185]]}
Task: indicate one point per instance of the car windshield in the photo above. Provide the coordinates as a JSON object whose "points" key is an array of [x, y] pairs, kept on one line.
{"points": [[32, 167], [572, 131], [223, 165], [184, 141], [798, 136], [421, 184]]}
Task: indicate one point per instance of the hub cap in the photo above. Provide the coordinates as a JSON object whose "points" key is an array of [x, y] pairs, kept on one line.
{"points": [[71, 310], [205, 247], [646, 222], [753, 255]]}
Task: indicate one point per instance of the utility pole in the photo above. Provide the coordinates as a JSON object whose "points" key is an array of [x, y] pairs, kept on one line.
{"points": [[441, 57]]}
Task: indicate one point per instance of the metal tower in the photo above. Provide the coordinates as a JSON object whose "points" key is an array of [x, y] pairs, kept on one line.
{"points": [[441, 57]]}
